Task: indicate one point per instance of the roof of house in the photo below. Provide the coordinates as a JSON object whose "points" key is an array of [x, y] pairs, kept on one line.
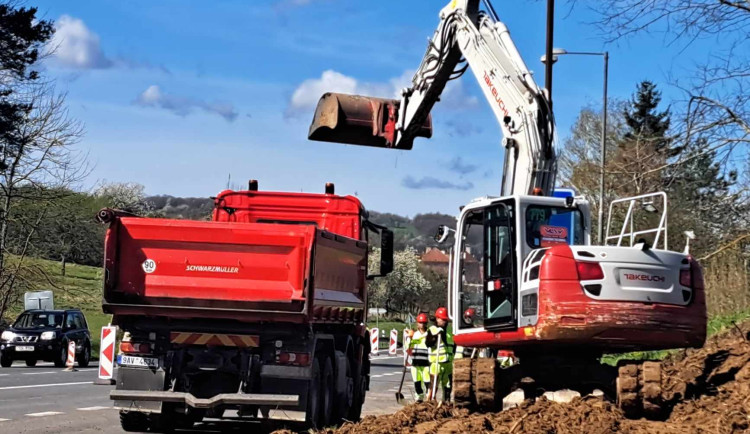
{"points": [[433, 256]]}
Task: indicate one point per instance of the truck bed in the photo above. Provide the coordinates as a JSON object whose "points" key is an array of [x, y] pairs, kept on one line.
{"points": [[244, 271]]}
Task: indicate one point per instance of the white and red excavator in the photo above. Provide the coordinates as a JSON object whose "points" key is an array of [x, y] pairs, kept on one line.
{"points": [[534, 284]]}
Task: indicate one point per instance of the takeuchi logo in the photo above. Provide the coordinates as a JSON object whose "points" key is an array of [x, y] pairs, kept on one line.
{"points": [[212, 269], [644, 277]]}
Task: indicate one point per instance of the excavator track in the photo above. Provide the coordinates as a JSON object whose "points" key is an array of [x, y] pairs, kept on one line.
{"points": [[639, 390], [627, 390], [651, 390], [486, 384], [463, 388]]}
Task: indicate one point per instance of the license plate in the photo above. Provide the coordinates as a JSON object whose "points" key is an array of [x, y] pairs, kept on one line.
{"points": [[147, 362], [24, 348]]}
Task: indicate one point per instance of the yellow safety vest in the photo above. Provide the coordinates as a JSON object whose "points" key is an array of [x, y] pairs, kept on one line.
{"points": [[420, 353], [444, 352]]}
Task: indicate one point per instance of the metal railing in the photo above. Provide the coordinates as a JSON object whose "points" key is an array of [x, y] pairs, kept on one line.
{"points": [[646, 201]]}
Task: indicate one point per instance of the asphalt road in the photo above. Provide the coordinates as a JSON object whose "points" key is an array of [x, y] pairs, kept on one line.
{"points": [[45, 399]]}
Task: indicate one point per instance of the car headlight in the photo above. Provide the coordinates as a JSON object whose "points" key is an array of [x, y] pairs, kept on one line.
{"points": [[47, 336], [7, 336]]}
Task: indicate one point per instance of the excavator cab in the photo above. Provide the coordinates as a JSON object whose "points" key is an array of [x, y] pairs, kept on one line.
{"points": [[494, 237]]}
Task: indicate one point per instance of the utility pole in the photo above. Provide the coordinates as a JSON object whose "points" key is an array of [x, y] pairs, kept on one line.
{"points": [[548, 51], [603, 151]]}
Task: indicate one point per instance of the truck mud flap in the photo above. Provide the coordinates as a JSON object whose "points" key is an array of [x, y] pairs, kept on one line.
{"points": [[191, 401]]}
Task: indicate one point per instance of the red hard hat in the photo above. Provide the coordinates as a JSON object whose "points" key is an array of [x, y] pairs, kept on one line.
{"points": [[470, 312], [422, 318], [441, 313]]}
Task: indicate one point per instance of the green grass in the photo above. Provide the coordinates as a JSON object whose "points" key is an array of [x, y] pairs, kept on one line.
{"points": [[80, 287], [716, 324]]}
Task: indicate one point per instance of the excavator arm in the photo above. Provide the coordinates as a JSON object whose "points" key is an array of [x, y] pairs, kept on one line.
{"points": [[465, 34]]}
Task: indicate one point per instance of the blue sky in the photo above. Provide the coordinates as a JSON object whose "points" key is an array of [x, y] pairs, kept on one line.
{"points": [[180, 95]]}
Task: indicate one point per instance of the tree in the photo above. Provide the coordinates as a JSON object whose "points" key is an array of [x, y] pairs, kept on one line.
{"points": [[643, 151], [402, 290], [21, 37], [126, 196], [36, 137]]}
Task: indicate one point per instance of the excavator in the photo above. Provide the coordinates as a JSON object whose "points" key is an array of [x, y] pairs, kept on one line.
{"points": [[524, 275]]}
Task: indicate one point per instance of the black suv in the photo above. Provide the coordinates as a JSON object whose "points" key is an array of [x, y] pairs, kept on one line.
{"points": [[44, 335]]}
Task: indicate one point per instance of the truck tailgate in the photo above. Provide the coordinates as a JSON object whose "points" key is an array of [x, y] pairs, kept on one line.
{"points": [[160, 261]]}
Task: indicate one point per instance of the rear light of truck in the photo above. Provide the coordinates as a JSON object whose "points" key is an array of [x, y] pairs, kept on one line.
{"points": [[135, 348], [589, 271], [296, 359]]}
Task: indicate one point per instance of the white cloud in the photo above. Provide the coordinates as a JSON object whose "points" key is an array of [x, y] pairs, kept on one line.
{"points": [[305, 97], [183, 106], [76, 46]]}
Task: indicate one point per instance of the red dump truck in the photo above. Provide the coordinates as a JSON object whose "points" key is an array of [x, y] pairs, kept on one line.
{"points": [[260, 309]]}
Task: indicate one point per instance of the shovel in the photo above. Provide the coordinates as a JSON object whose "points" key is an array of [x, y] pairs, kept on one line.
{"points": [[400, 396]]}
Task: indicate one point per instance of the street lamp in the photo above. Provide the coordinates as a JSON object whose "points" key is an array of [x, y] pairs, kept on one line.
{"points": [[560, 52]]}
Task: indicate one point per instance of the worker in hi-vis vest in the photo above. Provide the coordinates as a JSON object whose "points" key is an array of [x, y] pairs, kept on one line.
{"points": [[440, 341], [420, 358]]}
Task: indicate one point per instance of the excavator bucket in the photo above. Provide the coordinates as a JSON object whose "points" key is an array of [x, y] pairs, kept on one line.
{"points": [[361, 120]]}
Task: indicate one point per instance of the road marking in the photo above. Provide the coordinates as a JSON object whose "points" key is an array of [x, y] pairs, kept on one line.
{"points": [[40, 373], [87, 370], [31, 386], [45, 413], [4, 420], [93, 408], [4, 375]]}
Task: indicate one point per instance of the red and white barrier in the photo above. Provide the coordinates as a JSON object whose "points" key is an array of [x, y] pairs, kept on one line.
{"points": [[107, 355], [406, 340], [374, 341], [71, 356], [393, 344]]}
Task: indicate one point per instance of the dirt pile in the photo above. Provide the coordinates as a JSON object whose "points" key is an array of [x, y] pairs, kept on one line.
{"points": [[709, 390]]}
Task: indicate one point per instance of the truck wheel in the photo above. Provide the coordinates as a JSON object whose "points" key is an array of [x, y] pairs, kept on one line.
{"points": [[344, 398], [312, 416], [328, 391], [132, 421], [30, 362], [360, 389], [6, 360]]}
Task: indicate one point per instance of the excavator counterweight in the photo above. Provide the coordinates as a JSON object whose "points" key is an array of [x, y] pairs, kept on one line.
{"points": [[360, 120]]}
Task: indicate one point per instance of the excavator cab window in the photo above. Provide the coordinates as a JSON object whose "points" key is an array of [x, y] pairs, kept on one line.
{"points": [[499, 260], [487, 268], [547, 226]]}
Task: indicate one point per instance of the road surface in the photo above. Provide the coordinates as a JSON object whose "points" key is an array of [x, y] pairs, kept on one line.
{"points": [[45, 399]]}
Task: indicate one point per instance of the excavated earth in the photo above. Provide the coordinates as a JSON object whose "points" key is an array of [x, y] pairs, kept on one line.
{"points": [[709, 387]]}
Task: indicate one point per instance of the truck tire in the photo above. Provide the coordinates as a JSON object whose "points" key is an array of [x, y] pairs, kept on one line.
{"points": [[312, 414], [360, 390], [30, 362], [328, 392], [345, 397], [6, 360], [132, 421]]}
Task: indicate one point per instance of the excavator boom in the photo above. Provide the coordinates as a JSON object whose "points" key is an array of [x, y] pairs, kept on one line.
{"points": [[465, 34]]}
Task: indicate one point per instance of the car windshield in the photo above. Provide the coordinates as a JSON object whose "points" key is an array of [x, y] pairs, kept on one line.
{"points": [[31, 320]]}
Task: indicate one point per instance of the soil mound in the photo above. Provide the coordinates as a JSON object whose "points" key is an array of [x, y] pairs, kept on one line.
{"points": [[708, 389]]}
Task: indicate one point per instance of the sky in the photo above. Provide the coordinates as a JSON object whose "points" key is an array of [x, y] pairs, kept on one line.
{"points": [[187, 97]]}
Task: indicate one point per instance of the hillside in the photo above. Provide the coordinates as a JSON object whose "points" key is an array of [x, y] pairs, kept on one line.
{"points": [[414, 232]]}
